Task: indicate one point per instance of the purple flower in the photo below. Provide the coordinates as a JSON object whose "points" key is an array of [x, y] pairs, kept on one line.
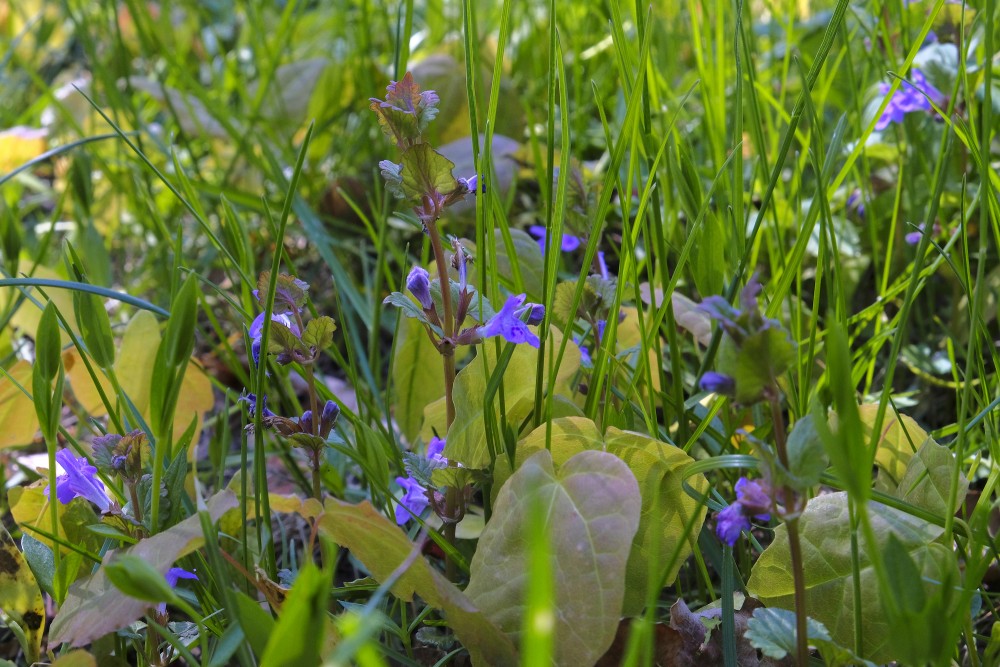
{"points": [[414, 498], [855, 202], [730, 524], [584, 350], [908, 98], [419, 284], [913, 238], [752, 500], [328, 418], [172, 576], [535, 311], [752, 495], [256, 331], [79, 480], [569, 242], [602, 265], [506, 323], [413, 502], [251, 401], [471, 183], [435, 448], [175, 574], [718, 383]]}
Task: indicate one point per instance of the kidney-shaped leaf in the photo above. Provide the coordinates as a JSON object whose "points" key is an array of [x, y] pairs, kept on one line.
{"points": [[927, 481], [661, 541], [592, 515], [825, 530], [899, 440], [95, 607], [382, 547], [568, 437]]}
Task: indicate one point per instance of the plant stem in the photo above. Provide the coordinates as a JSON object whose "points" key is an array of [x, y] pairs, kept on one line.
{"points": [[790, 501], [136, 507], [317, 487], [448, 323], [451, 495], [801, 631]]}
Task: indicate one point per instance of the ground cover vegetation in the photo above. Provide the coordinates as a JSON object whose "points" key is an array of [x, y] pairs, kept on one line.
{"points": [[495, 333]]}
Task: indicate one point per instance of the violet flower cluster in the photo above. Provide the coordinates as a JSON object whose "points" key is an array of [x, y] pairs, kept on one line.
{"points": [[908, 99], [415, 496], [79, 480], [510, 322], [752, 502], [569, 242], [744, 326]]}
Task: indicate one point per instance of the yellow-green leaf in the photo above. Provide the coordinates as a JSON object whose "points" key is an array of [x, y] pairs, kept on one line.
{"points": [[382, 547], [20, 596], [417, 376], [661, 541], [94, 607], [467, 435], [899, 440], [825, 534], [18, 422]]}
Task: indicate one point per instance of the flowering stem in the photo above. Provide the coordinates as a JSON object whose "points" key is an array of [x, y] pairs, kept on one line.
{"points": [[136, 507], [790, 500], [448, 323], [317, 488], [451, 496]]}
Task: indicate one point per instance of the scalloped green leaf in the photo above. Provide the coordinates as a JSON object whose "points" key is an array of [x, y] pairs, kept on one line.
{"points": [[825, 533], [761, 356], [426, 172], [927, 480], [593, 505], [899, 440], [660, 542], [319, 332]]}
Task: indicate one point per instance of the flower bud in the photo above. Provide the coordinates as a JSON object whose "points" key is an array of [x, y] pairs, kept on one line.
{"points": [[419, 284], [306, 421], [328, 418], [718, 383]]}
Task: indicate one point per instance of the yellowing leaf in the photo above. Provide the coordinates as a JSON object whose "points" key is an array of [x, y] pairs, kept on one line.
{"points": [[28, 315], [30, 508], [78, 658], [382, 547], [134, 368], [94, 607], [416, 375], [18, 422], [20, 596]]}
